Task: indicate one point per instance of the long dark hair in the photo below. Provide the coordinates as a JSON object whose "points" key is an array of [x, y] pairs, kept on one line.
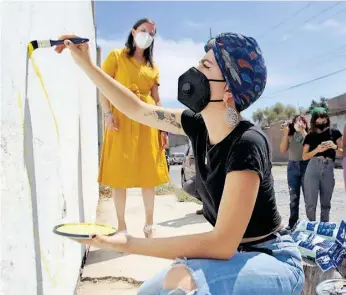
{"points": [[316, 115], [291, 129], [130, 44]]}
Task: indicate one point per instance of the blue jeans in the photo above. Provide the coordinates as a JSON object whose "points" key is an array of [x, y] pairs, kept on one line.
{"points": [[295, 178], [246, 273]]}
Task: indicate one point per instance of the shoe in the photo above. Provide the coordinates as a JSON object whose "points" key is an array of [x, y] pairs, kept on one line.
{"points": [[148, 230], [200, 211]]}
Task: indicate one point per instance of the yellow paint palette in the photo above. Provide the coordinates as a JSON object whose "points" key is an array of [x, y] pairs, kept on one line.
{"points": [[83, 230]]}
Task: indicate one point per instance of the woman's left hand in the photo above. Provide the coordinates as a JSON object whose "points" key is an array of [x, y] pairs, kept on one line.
{"points": [[163, 139], [331, 145], [117, 242]]}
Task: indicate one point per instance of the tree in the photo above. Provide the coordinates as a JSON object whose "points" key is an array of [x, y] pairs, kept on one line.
{"points": [[302, 111], [269, 115], [322, 103], [258, 116]]}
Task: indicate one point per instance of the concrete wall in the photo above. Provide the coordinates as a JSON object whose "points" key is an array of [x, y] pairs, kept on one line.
{"points": [[274, 135], [338, 121], [38, 170]]}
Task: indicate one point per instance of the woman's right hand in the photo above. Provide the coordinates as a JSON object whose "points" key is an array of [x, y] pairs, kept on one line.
{"points": [[79, 52], [321, 148], [285, 128], [111, 122]]}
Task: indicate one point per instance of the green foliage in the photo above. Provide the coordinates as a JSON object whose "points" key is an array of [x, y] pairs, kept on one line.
{"points": [[269, 115]]}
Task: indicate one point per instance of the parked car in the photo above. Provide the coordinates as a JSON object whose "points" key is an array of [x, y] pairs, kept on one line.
{"points": [[176, 158], [188, 168]]}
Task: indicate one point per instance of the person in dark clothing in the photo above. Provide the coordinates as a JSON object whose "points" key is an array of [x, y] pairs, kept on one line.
{"points": [[244, 252], [320, 147]]}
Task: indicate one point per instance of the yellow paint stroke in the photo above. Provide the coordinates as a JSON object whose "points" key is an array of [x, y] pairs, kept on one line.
{"points": [[43, 257], [38, 74]]}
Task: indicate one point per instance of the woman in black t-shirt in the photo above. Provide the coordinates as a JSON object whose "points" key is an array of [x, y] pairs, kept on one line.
{"points": [[245, 252], [320, 145]]}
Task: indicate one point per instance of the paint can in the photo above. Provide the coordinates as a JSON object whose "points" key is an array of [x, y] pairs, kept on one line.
{"points": [[331, 287]]}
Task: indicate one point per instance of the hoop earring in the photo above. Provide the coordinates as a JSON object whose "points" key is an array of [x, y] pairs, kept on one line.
{"points": [[231, 116]]}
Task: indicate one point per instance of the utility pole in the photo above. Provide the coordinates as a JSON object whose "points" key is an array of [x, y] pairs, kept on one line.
{"points": [[210, 33]]}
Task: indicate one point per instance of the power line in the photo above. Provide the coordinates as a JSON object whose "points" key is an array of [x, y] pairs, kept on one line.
{"points": [[315, 16], [320, 56], [273, 28], [304, 83]]}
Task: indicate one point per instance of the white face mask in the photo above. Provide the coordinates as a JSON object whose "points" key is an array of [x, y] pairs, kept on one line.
{"points": [[143, 40]]}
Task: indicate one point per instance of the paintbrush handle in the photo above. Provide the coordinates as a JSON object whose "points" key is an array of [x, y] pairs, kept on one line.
{"points": [[74, 40]]}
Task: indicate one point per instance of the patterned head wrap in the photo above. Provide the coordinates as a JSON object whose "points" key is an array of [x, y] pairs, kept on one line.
{"points": [[242, 65]]}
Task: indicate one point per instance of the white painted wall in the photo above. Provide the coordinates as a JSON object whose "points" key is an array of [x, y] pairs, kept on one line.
{"points": [[34, 260]]}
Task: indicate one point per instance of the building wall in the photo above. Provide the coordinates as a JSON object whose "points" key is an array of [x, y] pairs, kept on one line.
{"points": [[338, 121], [274, 135], [40, 168]]}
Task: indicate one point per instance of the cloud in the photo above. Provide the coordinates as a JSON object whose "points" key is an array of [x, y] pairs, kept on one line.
{"points": [[330, 25], [173, 59], [176, 57]]}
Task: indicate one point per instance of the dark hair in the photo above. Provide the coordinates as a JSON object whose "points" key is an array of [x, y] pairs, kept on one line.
{"points": [[294, 120], [316, 115], [130, 44]]}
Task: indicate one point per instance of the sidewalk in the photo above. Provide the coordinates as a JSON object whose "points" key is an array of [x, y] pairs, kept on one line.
{"points": [[107, 272]]}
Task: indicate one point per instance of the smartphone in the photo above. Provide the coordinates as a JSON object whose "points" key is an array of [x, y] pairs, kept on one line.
{"points": [[324, 142], [284, 124]]}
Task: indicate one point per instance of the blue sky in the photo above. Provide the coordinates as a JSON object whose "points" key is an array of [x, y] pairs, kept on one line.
{"points": [[310, 41]]}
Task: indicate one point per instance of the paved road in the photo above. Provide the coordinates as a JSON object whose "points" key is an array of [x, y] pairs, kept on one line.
{"points": [[338, 210], [174, 172]]}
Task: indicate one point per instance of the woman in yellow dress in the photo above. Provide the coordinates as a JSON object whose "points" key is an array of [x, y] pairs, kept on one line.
{"points": [[133, 155]]}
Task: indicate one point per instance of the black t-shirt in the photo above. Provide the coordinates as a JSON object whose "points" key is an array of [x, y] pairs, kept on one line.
{"points": [[313, 139], [245, 148]]}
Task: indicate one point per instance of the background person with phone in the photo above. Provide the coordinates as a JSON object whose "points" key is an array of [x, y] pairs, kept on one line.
{"points": [[294, 133], [320, 145]]}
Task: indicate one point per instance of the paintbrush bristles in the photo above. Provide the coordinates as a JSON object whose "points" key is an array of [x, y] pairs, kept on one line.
{"points": [[43, 43]]}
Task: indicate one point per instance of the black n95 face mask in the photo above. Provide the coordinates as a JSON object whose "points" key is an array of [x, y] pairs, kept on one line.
{"points": [[194, 90]]}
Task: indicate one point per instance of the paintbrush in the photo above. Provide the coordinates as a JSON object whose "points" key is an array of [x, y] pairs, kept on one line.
{"points": [[50, 43]]}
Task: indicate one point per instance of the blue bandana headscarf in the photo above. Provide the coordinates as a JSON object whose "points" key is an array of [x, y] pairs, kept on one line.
{"points": [[242, 65]]}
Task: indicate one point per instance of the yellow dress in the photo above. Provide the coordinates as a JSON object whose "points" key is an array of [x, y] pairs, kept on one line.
{"points": [[131, 156]]}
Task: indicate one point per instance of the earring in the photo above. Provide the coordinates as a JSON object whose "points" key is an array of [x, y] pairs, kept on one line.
{"points": [[232, 117]]}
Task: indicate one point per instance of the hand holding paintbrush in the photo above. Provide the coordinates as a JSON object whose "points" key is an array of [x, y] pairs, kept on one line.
{"points": [[79, 50], [35, 44]]}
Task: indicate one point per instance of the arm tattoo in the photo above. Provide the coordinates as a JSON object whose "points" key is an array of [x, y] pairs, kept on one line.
{"points": [[165, 117]]}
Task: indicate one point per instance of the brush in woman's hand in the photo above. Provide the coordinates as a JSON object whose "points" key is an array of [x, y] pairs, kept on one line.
{"points": [[50, 43]]}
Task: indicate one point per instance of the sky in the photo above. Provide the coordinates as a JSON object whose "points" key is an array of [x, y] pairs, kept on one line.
{"points": [[300, 41]]}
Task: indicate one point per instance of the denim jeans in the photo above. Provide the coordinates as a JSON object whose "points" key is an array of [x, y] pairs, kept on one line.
{"points": [[319, 178], [295, 178], [246, 273]]}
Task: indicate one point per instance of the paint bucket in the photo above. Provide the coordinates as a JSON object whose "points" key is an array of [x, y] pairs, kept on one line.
{"points": [[331, 287]]}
